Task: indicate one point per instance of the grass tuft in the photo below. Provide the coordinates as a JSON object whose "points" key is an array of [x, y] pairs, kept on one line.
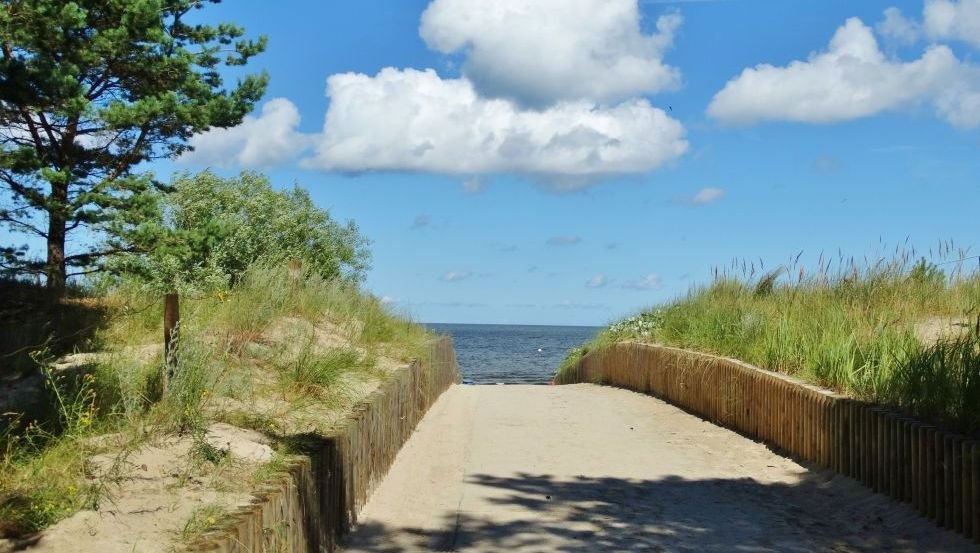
{"points": [[202, 520]]}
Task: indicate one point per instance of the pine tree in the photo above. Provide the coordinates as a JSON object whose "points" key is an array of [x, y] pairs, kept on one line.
{"points": [[89, 90]]}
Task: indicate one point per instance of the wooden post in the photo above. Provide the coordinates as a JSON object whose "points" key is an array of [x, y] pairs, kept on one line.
{"points": [[938, 478], [950, 513], [907, 476], [171, 328], [881, 453], [955, 489], [975, 489], [915, 465], [892, 455], [853, 445], [928, 462]]}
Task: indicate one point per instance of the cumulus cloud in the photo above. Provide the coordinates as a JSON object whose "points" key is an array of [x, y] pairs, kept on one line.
{"points": [[942, 20], [598, 281], [456, 276], [707, 195], [952, 20], [564, 240], [538, 52], [568, 116], [897, 28], [269, 139], [410, 120], [852, 79], [651, 281]]}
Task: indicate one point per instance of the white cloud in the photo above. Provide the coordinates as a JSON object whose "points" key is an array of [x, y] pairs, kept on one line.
{"points": [[708, 195], [568, 116], [456, 276], [269, 139], [539, 52], [387, 300], [410, 120], [952, 20], [572, 304], [852, 79], [598, 281], [942, 20], [651, 281], [564, 240], [897, 28]]}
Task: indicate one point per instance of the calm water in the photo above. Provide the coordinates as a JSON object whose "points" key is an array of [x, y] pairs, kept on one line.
{"points": [[512, 354]]}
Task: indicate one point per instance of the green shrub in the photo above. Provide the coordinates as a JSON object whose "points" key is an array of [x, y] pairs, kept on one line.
{"points": [[207, 231]]}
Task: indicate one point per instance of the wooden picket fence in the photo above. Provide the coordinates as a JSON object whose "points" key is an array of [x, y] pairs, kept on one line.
{"points": [[315, 502], [934, 470]]}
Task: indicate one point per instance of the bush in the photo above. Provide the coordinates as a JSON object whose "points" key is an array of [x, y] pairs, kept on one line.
{"points": [[208, 230]]}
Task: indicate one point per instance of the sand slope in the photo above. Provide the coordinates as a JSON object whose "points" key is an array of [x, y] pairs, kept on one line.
{"points": [[587, 468]]}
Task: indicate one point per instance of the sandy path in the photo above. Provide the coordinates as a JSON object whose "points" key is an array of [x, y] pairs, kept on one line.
{"points": [[587, 468]]}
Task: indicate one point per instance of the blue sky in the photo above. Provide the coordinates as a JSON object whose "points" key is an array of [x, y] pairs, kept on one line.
{"points": [[675, 161]]}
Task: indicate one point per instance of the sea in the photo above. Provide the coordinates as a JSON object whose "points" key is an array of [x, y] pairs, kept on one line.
{"points": [[512, 354]]}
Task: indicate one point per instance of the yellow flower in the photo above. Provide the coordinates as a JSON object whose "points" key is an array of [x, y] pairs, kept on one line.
{"points": [[204, 394], [211, 520], [72, 490]]}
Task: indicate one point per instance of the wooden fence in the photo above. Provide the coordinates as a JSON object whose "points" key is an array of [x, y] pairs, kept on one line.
{"points": [[935, 471], [316, 500]]}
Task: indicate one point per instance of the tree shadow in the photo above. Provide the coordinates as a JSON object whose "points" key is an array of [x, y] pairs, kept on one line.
{"points": [[529, 512], [34, 322], [31, 318]]}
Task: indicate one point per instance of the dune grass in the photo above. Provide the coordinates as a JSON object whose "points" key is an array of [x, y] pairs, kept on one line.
{"points": [[232, 351], [899, 333]]}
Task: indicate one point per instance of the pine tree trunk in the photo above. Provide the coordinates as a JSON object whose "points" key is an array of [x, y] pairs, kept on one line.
{"points": [[55, 269]]}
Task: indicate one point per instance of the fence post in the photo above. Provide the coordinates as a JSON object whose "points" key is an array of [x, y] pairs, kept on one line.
{"points": [[171, 328]]}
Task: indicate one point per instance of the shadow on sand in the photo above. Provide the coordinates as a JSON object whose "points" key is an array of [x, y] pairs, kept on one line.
{"points": [[538, 513]]}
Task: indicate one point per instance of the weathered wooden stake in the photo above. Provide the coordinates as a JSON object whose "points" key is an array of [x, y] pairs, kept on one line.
{"points": [[171, 327]]}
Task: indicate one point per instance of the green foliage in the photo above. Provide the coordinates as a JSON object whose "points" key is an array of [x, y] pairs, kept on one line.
{"points": [[644, 324], [208, 230], [90, 89], [858, 331]]}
